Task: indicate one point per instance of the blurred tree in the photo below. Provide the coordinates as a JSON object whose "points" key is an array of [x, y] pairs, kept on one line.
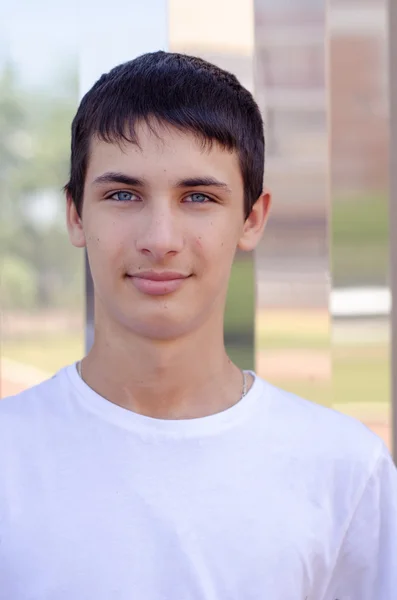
{"points": [[18, 285], [34, 162]]}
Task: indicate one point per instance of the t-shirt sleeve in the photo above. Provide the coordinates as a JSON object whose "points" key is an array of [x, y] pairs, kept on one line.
{"points": [[366, 567]]}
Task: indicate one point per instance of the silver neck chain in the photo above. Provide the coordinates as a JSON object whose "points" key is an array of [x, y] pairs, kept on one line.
{"points": [[245, 379]]}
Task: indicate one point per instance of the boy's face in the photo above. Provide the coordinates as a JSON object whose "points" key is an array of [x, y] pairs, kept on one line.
{"points": [[162, 234]]}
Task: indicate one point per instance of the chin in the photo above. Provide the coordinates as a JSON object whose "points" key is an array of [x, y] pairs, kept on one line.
{"points": [[165, 324], [159, 332]]}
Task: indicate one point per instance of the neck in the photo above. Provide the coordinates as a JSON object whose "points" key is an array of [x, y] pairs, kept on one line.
{"points": [[185, 378]]}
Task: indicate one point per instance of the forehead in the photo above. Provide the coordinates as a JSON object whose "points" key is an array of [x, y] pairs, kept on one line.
{"points": [[164, 150]]}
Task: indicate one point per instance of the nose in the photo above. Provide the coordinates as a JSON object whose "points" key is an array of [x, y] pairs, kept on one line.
{"points": [[160, 234]]}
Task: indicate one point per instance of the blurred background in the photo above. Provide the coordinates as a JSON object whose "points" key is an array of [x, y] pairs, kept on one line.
{"points": [[311, 310]]}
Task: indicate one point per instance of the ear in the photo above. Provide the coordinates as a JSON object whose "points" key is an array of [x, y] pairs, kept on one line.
{"points": [[255, 223], [74, 223]]}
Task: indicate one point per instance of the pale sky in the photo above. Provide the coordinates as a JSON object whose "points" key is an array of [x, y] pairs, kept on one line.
{"points": [[40, 35], [37, 34]]}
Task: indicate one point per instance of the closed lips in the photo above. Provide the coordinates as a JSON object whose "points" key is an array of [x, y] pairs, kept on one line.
{"points": [[158, 284], [165, 276]]}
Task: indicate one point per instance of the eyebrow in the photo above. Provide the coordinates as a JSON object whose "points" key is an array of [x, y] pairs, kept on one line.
{"points": [[115, 177], [203, 182]]}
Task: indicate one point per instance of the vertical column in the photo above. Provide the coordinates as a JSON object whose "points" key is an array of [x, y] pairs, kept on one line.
{"points": [[292, 263], [110, 35], [392, 40], [359, 118], [222, 32]]}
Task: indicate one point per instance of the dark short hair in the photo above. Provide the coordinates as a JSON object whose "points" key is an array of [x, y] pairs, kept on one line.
{"points": [[183, 91]]}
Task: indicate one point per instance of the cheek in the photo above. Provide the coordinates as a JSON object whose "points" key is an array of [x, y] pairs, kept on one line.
{"points": [[216, 249], [209, 245], [103, 230], [105, 245]]}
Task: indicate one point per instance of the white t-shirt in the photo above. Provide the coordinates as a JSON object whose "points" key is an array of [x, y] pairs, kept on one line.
{"points": [[276, 498]]}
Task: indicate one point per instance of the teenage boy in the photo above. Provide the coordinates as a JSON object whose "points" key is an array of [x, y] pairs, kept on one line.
{"points": [[155, 468]]}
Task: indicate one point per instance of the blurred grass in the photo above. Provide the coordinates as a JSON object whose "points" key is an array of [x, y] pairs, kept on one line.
{"points": [[292, 330], [48, 352], [360, 375], [359, 240], [360, 219]]}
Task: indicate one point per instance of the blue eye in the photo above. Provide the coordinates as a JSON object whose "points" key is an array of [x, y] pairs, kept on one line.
{"points": [[123, 196], [199, 198]]}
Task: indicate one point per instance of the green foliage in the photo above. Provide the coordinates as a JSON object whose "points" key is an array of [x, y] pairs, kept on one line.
{"points": [[34, 163], [18, 284]]}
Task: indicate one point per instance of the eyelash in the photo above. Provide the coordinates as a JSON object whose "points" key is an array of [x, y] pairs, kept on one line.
{"points": [[132, 194]]}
